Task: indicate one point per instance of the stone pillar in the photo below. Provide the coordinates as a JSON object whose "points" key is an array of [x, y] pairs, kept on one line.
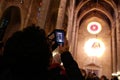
{"points": [[76, 42], [61, 12], [70, 20], [74, 36], [43, 13], [118, 39], [114, 54], [29, 12]]}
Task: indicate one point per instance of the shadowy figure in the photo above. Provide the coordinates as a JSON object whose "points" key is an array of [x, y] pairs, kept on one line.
{"points": [[26, 55], [84, 74], [95, 77], [103, 77], [57, 72], [72, 70], [114, 78]]}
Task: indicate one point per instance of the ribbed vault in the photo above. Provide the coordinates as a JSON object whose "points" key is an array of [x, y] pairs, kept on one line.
{"points": [[103, 9]]}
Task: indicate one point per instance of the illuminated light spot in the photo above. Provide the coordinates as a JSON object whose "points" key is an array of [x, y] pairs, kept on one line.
{"points": [[94, 47]]}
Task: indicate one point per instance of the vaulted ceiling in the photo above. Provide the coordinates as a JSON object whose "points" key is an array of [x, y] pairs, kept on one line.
{"points": [[103, 9]]}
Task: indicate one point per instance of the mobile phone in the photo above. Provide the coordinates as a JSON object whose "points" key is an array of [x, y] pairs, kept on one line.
{"points": [[59, 36]]}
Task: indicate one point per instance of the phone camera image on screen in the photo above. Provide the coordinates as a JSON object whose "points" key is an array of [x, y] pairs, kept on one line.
{"points": [[59, 36], [56, 38]]}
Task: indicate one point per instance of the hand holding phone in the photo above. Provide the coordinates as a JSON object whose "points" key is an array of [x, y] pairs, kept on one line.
{"points": [[57, 37], [65, 47]]}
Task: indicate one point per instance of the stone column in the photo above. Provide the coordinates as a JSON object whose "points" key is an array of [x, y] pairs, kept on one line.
{"points": [[61, 12], [74, 36], [43, 13], [118, 39], [76, 42], [70, 20], [29, 12], [114, 54]]}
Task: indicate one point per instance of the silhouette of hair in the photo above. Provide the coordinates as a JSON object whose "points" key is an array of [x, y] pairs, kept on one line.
{"points": [[104, 77], [29, 46]]}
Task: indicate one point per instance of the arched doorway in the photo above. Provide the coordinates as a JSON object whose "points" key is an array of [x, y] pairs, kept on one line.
{"points": [[9, 23]]}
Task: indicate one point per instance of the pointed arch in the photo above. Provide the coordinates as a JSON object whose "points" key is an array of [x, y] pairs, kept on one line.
{"points": [[10, 22]]}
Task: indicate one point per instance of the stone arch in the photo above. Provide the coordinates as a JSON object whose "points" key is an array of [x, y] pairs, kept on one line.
{"points": [[10, 22], [93, 9], [81, 5]]}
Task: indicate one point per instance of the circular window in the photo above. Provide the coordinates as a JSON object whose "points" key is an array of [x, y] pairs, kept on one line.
{"points": [[94, 27]]}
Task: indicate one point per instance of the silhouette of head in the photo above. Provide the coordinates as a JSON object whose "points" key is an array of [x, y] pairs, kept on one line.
{"points": [[29, 46]]}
